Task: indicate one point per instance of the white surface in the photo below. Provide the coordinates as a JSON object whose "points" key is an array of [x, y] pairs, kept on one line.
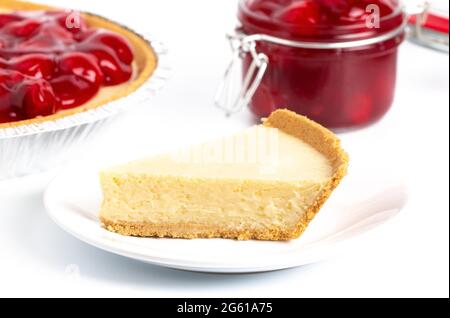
{"points": [[73, 200], [406, 257]]}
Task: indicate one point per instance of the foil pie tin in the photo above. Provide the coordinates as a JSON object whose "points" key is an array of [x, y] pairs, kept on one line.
{"points": [[33, 148]]}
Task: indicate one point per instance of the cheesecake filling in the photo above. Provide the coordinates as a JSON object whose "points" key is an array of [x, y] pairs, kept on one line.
{"points": [[220, 204]]}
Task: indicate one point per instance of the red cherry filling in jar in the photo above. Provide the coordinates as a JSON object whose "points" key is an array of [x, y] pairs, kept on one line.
{"points": [[50, 62], [344, 87]]}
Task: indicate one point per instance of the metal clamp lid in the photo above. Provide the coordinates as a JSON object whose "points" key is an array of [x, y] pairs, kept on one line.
{"points": [[260, 61]]}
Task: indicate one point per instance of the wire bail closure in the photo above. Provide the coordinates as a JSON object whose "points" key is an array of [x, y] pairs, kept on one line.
{"points": [[241, 46]]}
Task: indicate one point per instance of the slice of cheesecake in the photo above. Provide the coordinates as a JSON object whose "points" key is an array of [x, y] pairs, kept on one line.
{"points": [[266, 183]]}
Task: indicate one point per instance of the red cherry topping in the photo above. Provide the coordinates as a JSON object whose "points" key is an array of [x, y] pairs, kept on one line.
{"points": [[81, 65], [28, 97], [3, 63], [53, 60], [115, 72], [72, 91], [306, 12], [5, 103], [117, 43], [8, 78], [36, 65], [24, 28], [6, 18], [49, 38], [266, 7], [38, 99]]}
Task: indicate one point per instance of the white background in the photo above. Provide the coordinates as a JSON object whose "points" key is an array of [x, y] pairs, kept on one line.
{"points": [[407, 257]]}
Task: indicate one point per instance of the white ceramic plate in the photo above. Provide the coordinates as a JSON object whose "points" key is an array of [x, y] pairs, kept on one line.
{"points": [[73, 199]]}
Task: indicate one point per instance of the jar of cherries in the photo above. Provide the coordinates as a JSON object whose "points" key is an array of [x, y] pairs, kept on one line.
{"points": [[333, 61]]}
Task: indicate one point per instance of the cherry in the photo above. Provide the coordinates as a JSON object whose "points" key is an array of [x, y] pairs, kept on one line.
{"points": [[117, 43], [23, 97], [82, 65], [304, 12], [114, 71], [38, 99], [72, 91], [24, 28], [36, 65], [9, 116]]}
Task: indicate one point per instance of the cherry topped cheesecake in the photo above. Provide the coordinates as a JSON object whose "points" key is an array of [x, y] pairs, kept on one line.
{"points": [[55, 63]]}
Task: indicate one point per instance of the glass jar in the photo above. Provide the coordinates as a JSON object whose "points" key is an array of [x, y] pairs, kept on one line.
{"points": [[333, 61]]}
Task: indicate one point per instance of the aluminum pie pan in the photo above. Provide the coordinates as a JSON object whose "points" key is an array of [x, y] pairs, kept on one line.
{"points": [[32, 148]]}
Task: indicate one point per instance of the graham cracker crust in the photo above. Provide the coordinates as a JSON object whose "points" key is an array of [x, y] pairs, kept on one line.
{"points": [[196, 231]]}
